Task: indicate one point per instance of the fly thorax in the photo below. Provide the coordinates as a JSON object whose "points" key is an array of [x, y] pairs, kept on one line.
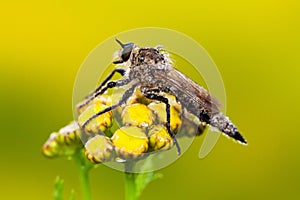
{"points": [[149, 56], [147, 62]]}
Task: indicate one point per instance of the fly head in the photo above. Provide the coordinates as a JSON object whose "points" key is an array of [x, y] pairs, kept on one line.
{"points": [[125, 52]]}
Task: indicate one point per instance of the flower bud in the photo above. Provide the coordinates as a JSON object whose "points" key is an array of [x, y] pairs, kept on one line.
{"points": [[64, 142], [192, 126], [70, 134], [173, 102], [51, 147], [100, 123], [101, 99], [159, 138], [160, 110], [99, 149], [138, 97]]}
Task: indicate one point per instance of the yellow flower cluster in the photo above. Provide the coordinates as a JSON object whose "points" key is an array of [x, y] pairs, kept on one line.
{"points": [[139, 130]]}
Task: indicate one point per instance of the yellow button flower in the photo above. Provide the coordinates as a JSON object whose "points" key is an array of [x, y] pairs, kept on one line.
{"points": [[100, 123], [101, 99], [159, 138], [130, 142], [138, 97], [137, 115], [160, 110]]}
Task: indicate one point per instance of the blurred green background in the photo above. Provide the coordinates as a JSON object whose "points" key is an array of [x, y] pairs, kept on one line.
{"points": [[255, 45]]}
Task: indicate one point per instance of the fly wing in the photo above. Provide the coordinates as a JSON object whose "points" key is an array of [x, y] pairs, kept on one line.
{"points": [[201, 100], [189, 88]]}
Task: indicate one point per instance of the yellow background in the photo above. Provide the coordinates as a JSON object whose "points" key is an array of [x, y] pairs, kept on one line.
{"points": [[255, 45]]}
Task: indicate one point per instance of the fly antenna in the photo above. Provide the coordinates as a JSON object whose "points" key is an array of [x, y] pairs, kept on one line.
{"points": [[120, 43]]}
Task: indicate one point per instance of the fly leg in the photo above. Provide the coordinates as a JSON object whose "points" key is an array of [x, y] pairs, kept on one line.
{"points": [[124, 98], [110, 84], [117, 70], [92, 95], [166, 102]]}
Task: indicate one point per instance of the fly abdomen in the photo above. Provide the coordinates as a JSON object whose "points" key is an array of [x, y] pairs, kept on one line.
{"points": [[224, 124]]}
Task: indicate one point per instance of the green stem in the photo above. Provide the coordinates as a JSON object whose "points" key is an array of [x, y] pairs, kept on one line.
{"points": [[83, 169], [130, 183], [85, 184]]}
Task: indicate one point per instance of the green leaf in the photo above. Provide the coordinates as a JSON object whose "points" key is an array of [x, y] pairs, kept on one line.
{"points": [[144, 179]]}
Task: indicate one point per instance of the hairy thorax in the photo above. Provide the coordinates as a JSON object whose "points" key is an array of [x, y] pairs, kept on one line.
{"points": [[145, 63]]}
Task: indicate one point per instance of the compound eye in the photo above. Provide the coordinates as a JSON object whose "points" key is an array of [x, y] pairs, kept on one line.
{"points": [[126, 52]]}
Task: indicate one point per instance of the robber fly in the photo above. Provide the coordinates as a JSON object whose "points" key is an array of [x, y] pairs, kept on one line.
{"points": [[151, 70]]}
